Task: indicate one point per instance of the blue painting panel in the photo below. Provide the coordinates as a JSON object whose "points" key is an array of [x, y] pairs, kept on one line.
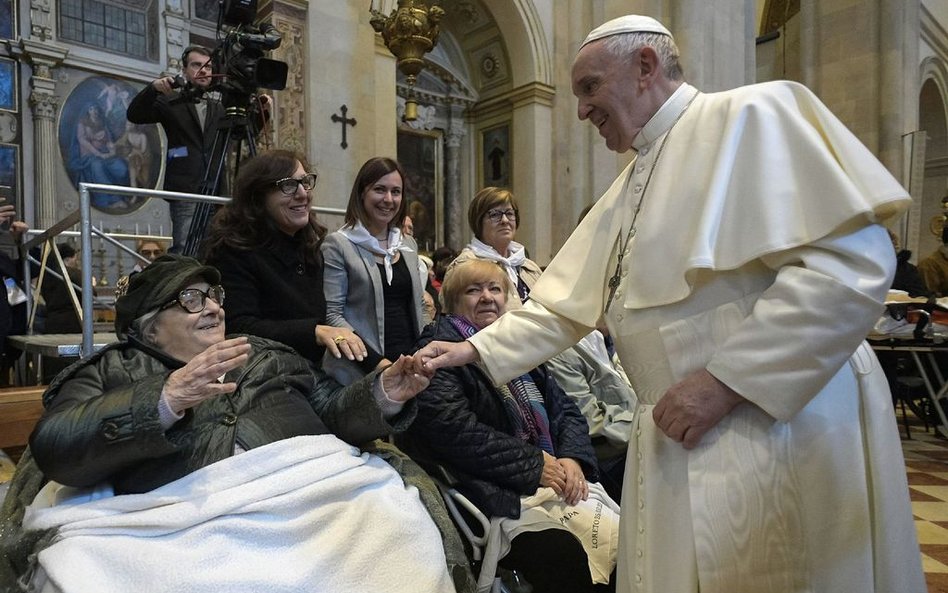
{"points": [[9, 168], [7, 84], [99, 145], [7, 13]]}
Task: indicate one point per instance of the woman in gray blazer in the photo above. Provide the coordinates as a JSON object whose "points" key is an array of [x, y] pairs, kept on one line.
{"points": [[370, 279]]}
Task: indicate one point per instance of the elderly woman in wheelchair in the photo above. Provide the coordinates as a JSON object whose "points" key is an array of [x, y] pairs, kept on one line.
{"points": [[180, 459], [521, 451]]}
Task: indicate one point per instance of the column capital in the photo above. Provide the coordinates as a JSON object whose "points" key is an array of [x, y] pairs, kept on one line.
{"points": [[42, 55], [44, 104], [454, 135]]}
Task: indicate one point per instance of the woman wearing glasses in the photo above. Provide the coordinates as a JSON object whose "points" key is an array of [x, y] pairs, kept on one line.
{"points": [[266, 245], [162, 416], [371, 282], [493, 217]]}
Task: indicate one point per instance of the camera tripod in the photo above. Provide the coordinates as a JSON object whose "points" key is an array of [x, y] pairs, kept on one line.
{"points": [[233, 129]]}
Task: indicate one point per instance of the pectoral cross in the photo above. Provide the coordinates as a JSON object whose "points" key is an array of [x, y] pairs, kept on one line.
{"points": [[344, 120]]}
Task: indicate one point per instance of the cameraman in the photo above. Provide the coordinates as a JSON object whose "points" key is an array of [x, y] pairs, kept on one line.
{"points": [[190, 121]]}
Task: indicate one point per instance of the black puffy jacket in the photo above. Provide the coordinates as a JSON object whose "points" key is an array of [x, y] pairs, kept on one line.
{"points": [[463, 425], [101, 420]]}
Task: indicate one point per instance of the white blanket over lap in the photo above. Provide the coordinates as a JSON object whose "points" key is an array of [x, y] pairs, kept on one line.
{"points": [[304, 514]]}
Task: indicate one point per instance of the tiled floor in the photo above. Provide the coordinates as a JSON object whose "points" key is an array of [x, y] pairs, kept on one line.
{"points": [[926, 460]]}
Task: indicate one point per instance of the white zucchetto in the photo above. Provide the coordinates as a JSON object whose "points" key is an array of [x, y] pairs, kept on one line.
{"points": [[630, 23]]}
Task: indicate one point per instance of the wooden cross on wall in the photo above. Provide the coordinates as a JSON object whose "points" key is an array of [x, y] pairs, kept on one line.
{"points": [[344, 120]]}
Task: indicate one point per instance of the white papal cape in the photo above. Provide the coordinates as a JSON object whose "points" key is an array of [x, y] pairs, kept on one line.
{"points": [[757, 256]]}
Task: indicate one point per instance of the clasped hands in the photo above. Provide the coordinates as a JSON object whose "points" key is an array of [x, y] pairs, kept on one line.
{"points": [[565, 477]]}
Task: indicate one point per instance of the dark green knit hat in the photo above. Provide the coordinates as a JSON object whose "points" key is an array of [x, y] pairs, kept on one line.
{"points": [[157, 285]]}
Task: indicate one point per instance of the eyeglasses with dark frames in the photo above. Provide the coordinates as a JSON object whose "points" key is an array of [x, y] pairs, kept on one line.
{"points": [[288, 185], [194, 300], [496, 215]]}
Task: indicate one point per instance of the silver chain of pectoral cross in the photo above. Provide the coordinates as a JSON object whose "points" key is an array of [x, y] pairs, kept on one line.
{"points": [[616, 278]]}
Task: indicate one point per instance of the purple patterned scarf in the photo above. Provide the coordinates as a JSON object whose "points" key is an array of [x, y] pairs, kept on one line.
{"points": [[524, 402]]}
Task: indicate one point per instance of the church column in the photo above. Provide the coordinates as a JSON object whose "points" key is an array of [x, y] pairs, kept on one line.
{"points": [[453, 208], [43, 58], [898, 79], [809, 45], [706, 32], [532, 167]]}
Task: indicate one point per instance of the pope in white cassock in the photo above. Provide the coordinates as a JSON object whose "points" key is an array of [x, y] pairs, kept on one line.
{"points": [[739, 263]]}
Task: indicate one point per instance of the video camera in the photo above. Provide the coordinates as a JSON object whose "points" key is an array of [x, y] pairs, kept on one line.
{"points": [[239, 54]]}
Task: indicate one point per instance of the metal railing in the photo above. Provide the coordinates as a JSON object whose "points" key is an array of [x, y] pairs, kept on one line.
{"points": [[84, 218]]}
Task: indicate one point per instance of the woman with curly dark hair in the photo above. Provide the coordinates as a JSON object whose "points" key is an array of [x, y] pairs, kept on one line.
{"points": [[266, 245]]}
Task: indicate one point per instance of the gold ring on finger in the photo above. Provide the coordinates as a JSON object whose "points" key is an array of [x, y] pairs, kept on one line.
{"points": [[339, 339]]}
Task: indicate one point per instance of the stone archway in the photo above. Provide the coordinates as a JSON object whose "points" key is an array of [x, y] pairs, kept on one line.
{"points": [[933, 119], [492, 68]]}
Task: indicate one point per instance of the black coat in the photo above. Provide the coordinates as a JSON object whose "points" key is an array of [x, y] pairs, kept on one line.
{"points": [[101, 419], [61, 316], [463, 425], [276, 292], [183, 172]]}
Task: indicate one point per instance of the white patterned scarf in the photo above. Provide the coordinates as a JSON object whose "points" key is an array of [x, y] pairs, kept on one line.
{"points": [[511, 263], [360, 236]]}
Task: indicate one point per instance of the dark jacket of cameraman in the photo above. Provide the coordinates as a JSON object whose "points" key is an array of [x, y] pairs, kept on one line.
{"points": [[189, 146]]}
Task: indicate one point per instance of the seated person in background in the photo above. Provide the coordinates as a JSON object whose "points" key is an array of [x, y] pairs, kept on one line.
{"points": [[934, 268], [493, 217], [441, 258], [61, 316], [603, 395], [162, 415], [266, 245], [517, 451], [150, 249], [906, 277]]}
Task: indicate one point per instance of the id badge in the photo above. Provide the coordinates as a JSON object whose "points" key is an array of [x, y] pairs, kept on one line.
{"points": [[177, 152]]}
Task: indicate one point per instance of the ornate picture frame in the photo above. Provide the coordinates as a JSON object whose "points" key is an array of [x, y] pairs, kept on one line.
{"points": [[420, 155], [99, 145], [495, 156]]}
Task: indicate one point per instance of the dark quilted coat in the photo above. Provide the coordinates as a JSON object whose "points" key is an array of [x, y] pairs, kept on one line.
{"points": [[101, 420], [463, 426]]}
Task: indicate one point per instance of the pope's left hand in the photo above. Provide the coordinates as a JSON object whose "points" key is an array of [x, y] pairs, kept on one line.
{"points": [[694, 406], [403, 380]]}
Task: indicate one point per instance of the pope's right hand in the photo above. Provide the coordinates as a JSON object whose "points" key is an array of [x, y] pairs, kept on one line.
{"points": [[198, 380], [438, 355]]}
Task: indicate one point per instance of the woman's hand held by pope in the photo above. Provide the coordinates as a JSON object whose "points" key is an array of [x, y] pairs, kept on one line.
{"points": [[437, 355]]}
